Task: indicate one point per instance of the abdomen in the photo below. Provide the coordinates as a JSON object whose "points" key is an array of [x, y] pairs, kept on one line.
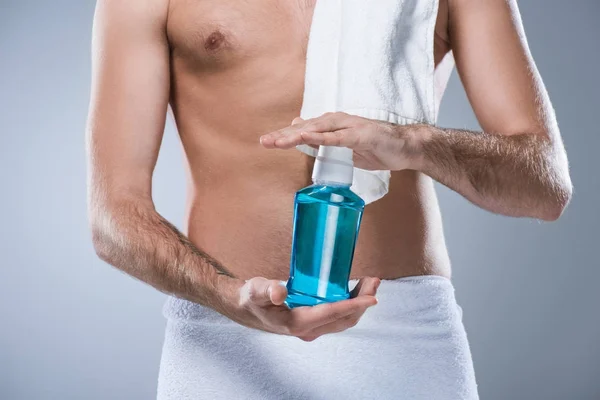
{"points": [[244, 219]]}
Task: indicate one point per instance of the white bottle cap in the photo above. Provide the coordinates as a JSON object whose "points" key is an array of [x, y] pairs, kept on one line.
{"points": [[334, 164]]}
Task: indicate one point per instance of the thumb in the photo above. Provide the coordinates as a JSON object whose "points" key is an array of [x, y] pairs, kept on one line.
{"points": [[278, 292], [266, 292], [366, 286]]}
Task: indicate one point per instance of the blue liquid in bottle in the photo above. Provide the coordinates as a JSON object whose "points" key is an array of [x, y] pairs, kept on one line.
{"points": [[326, 224]]}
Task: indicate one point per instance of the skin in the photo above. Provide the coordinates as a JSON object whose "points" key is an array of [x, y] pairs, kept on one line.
{"points": [[233, 74]]}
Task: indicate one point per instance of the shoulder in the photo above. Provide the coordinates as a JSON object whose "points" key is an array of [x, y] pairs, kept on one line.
{"points": [[132, 12]]}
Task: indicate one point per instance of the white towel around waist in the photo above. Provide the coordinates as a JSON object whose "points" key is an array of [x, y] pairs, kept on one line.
{"points": [[411, 345]]}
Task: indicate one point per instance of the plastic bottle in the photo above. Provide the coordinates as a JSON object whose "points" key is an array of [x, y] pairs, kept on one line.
{"points": [[327, 216]]}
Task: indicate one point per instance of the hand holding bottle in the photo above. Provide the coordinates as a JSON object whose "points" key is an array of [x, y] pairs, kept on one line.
{"points": [[261, 306]]}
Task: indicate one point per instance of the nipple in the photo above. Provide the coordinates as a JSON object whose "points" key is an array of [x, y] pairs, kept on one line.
{"points": [[214, 41]]}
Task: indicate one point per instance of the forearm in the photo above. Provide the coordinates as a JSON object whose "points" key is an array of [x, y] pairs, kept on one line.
{"points": [[133, 237], [518, 175]]}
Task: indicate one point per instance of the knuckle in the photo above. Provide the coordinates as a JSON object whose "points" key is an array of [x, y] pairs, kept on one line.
{"points": [[303, 138], [310, 126], [257, 289], [252, 295], [319, 125], [254, 282], [365, 124]]}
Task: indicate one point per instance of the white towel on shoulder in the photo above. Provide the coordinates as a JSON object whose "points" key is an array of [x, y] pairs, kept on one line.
{"points": [[372, 59]]}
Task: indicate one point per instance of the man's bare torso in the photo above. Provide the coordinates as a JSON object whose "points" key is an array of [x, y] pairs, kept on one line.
{"points": [[237, 72]]}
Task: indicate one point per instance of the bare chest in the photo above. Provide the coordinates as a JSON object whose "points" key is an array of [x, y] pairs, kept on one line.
{"points": [[219, 34]]}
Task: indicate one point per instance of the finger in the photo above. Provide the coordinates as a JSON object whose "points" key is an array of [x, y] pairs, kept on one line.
{"points": [[262, 292], [278, 293], [268, 140], [345, 137], [306, 319], [339, 325], [299, 120], [366, 286], [333, 327], [328, 122]]}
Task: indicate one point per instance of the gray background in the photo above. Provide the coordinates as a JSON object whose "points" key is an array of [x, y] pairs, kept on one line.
{"points": [[72, 327]]}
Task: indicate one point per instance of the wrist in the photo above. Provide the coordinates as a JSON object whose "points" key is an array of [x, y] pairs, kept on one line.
{"points": [[226, 292], [413, 140]]}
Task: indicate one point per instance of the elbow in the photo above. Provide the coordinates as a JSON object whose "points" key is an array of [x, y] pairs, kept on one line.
{"points": [[559, 188], [554, 211], [557, 201], [100, 242], [112, 224], [104, 245]]}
